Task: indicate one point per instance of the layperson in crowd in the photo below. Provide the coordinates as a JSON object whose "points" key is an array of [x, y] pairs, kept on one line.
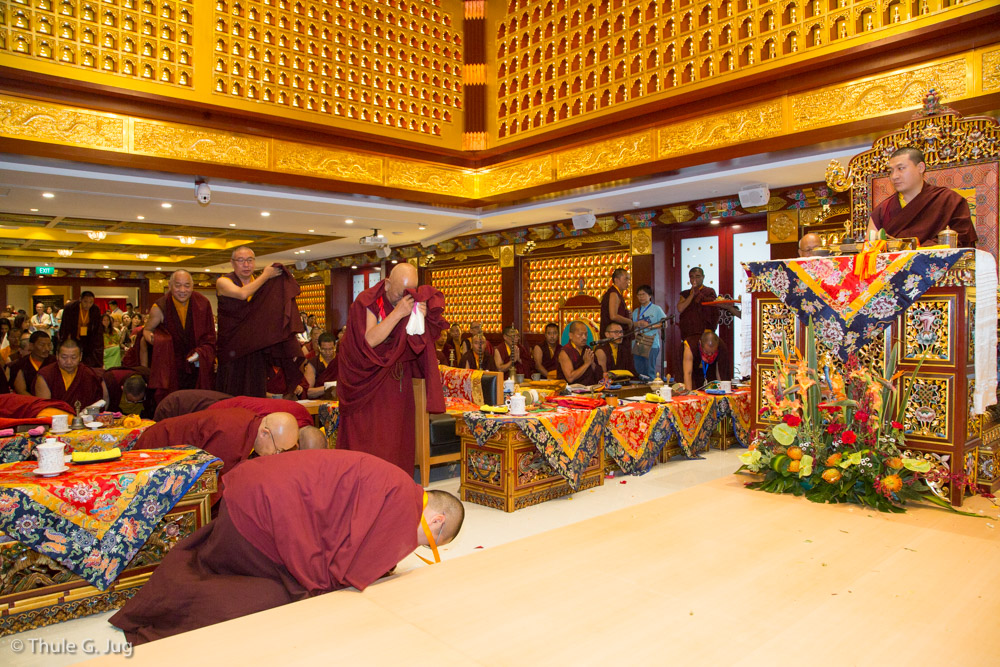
{"points": [[378, 360], [115, 312], [69, 379], [304, 336], [478, 358], [126, 334], [546, 354], [300, 525], [577, 363], [258, 323], [452, 350], [129, 392], [703, 362], [610, 355], [808, 243], [24, 371], [919, 209], [510, 354], [40, 321], [613, 309], [181, 331], [81, 321], [112, 343], [322, 368], [23, 347], [645, 314]]}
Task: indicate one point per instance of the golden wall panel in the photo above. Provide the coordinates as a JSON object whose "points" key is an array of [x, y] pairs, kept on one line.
{"points": [[642, 242], [429, 178], [320, 162], [877, 96], [36, 121], [991, 71], [605, 155], [722, 129], [200, 145], [550, 281], [518, 176]]}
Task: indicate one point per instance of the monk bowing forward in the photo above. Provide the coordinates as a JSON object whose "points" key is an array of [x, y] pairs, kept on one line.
{"points": [[378, 360]]}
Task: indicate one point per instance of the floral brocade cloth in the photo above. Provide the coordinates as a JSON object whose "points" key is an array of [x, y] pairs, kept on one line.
{"points": [[849, 311], [739, 406], [693, 417], [636, 435], [462, 383], [20, 447], [458, 406], [329, 417], [94, 518], [567, 439]]}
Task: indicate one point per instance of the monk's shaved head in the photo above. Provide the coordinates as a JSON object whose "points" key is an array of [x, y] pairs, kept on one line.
{"points": [[311, 437], [577, 326], [445, 515], [243, 251], [403, 277], [808, 243], [278, 432], [181, 285]]}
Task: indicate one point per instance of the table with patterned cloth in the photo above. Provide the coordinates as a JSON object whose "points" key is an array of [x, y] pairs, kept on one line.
{"points": [[20, 447], [693, 417], [738, 406], [637, 433], [329, 419], [458, 406], [510, 462]]}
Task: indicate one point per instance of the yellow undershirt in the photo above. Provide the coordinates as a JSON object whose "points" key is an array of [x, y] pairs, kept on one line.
{"points": [[182, 311], [36, 364], [67, 377], [84, 321], [902, 202], [614, 352]]}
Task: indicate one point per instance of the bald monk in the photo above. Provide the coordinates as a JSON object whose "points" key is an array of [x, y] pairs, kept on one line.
{"points": [[546, 354], [69, 380], [808, 243], [702, 361], [577, 363], [129, 392], [181, 331], [510, 354], [24, 371], [233, 435], [300, 525], [186, 401], [478, 358], [475, 329], [265, 406], [378, 360], [919, 209], [258, 324], [81, 321]]}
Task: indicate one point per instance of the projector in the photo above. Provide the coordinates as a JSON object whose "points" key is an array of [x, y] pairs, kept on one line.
{"points": [[375, 239]]}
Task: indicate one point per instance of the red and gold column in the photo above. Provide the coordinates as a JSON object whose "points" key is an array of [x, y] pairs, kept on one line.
{"points": [[474, 76]]}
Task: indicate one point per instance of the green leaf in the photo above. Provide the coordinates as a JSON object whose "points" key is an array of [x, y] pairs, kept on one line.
{"points": [[805, 466], [784, 434], [917, 465]]}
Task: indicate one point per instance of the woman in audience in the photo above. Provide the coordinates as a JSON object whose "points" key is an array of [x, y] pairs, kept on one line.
{"points": [[112, 343], [126, 333]]}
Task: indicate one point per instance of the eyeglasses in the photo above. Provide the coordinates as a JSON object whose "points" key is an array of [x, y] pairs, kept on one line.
{"points": [[246, 260]]}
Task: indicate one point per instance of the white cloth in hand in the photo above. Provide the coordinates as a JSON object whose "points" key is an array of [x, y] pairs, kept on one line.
{"points": [[415, 325]]}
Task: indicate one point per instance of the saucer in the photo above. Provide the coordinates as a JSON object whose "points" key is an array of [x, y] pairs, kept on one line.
{"points": [[94, 425], [518, 414], [50, 473], [60, 431]]}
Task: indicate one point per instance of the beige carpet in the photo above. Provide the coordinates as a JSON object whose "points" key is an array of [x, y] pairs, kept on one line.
{"points": [[713, 575]]}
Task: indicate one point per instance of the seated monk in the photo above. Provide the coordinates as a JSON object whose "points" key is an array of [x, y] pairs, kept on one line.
{"points": [[609, 355], [452, 349], [808, 243], [24, 371], [479, 357], [186, 401], [129, 393], [322, 368], [511, 354], [69, 380], [702, 364], [919, 209], [290, 528], [546, 355], [577, 364], [233, 435], [475, 329]]}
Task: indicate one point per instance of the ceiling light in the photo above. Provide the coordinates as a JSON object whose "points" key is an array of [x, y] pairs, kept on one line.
{"points": [[395, 261], [34, 210], [140, 217], [265, 214], [354, 266], [232, 224], [48, 195], [312, 230], [63, 252], [348, 222], [167, 204], [143, 255], [714, 221], [305, 250], [421, 227], [208, 270], [106, 266], [186, 240], [158, 269], [97, 235]]}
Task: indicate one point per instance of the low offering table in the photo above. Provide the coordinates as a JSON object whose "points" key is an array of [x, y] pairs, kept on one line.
{"points": [[20, 447]]}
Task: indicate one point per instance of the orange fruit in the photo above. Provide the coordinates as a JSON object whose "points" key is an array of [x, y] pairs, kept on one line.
{"points": [[834, 459], [831, 475], [794, 453], [793, 466], [895, 463]]}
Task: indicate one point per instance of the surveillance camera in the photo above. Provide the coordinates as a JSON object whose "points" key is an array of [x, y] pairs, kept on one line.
{"points": [[203, 192]]}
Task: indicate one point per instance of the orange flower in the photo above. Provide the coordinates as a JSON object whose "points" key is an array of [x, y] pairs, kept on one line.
{"points": [[831, 475], [794, 466], [794, 453], [895, 462], [892, 483], [834, 459]]}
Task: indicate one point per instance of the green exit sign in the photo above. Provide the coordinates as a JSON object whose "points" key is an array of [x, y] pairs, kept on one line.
{"points": [[45, 270]]}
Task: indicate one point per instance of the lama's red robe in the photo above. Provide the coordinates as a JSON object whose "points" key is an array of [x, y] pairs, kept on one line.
{"points": [[523, 367], [927, 214], [592, 376], [173, 343], [27, 369], [92, 343], [85, 388], [374, 384], [18, 406], [293, 526], [265, 406], [186, 401], [550, 356], [625, 354]]}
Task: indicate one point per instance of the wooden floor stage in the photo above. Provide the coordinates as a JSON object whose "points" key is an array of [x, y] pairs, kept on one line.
{"points": [[712, 575]]}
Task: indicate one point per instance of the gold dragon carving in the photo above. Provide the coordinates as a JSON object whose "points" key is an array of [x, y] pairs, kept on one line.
{"points": [[722, 129], [516, 176], [201, 145], [610, 154], [26, 120], [991, 71], [419, 176], [327, 163]]}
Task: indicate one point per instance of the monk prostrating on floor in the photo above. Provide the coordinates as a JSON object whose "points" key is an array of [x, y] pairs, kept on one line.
{"points": [[378, 360], [69, 380], [299, 525]]}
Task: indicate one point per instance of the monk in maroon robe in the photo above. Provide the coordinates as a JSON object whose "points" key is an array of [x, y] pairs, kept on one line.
{"points": [[258, 323], [614, 309], [610, 355], [919, 209], [478, 358], [24, 371], [322, 368], [451, 352], [577, 363], [266, 406], [378, 361], [129, 392], [545, 355], [186, 401], [69, 380], [81, 322], [17, 410], [289, 528], [181, 329], [511, 354]]}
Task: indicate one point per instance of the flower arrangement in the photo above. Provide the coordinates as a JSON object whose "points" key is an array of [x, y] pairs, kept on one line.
{"points": [[840, 439]]}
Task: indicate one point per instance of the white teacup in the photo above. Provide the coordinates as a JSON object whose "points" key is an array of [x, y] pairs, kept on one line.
{"points": [[508, 385], [60, 422], [50, 456], [516, 403], [666, 393], [726, 385], [536, 376]]}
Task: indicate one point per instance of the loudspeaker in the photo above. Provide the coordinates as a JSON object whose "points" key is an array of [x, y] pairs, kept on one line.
{"points": [[300, 264], [758, 195], [383, 251], [585, 221]]}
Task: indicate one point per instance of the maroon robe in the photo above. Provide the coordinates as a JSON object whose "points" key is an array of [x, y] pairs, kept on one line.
{"points": [[114, 380], [592, 376], [25, 367], [719, 369], [18, 406], [4, 383], [91, 345], [550, 359], [265, 406], [174, 343], [374, 383], [622, 363], [696, 318], [85, 388], [186, 401], [450, 347], [486, 362], [523, 367], [927, 214], [467, 344], [258, 333], [625, 353], [296, 525]]}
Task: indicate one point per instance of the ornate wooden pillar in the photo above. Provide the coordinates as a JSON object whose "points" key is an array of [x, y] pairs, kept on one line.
{"points": [[474, 76]]}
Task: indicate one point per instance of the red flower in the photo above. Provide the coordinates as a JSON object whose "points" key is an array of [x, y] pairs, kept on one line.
{"points": [[762, 411], [792, 420], [849, 437], [861, 417], [834, 428], [826, 407], [896, 424]]}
